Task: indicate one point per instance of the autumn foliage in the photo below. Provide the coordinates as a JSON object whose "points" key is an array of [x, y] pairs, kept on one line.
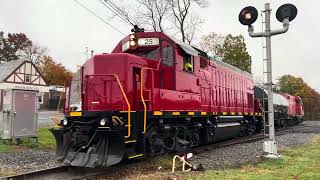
{"points": [[53, 72], [310, 98]]}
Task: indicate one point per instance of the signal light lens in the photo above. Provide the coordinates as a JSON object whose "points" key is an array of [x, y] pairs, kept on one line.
{"points": [[247, 16]]}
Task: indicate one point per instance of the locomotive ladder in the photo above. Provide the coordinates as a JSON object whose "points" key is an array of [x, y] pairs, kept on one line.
{"points": [[150, 94]]}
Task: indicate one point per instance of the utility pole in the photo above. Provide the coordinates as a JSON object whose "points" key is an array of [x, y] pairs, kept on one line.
{"points": [[248, 16]]}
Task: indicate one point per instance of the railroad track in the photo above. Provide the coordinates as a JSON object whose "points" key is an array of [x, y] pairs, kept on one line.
{"points": [[62, 172], [247, 139], [69, 172]]}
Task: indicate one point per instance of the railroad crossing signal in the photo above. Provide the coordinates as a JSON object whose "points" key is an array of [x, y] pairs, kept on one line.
{"points": [[284, 14]]}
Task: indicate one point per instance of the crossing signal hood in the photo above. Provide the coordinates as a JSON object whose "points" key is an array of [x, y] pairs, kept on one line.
{"points": [[248, 15], [286, 11]]}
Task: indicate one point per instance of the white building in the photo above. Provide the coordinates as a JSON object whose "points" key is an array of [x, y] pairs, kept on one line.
{"points": [[21, 75]]}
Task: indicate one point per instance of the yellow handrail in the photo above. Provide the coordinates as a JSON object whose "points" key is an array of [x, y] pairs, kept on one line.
{"points": [[142, 98], [128, 104], [125, 98], [143, 101]]}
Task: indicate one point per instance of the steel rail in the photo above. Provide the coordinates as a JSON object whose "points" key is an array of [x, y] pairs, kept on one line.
{"points": [[62, 172]]}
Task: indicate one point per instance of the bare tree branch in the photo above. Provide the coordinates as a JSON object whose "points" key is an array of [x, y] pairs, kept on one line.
{"points": [[33, 53], [212, 43], [192, 26], [184, 21], [148, 13]]}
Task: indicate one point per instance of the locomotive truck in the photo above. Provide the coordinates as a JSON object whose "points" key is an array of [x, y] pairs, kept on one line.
{"points": [[153, 94]]}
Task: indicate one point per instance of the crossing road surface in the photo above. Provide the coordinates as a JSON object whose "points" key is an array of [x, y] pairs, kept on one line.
{"points": [[45, 118]]}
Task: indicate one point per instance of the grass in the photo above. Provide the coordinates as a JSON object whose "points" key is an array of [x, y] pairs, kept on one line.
{"points": [[163, 161], [5, 148], [45, 141], [296, 163]]}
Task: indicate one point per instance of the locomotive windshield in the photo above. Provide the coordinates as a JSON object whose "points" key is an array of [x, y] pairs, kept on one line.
{"points": [[73, 92], [149, 54]]}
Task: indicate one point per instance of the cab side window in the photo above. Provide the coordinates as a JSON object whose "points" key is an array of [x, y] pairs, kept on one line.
{"points": [[167, 55], [188, 62]]}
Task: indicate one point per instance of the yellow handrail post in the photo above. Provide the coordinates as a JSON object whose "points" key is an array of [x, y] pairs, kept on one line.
{"points": [[143, 101], [125, 98], [128, 104]]}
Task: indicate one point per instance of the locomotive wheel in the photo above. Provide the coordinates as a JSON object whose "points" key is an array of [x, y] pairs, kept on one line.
{"points": [[155, 144]]}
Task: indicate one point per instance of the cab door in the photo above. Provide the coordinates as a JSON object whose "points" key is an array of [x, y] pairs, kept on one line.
{"points": [[136, 103]]}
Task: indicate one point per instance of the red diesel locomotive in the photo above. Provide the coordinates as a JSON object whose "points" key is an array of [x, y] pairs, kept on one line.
{"points": [[152, 94]]}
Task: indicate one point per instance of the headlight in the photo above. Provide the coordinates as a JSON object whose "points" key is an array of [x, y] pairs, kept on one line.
{"points": [[65, 122], [132, 43], [132, 37], [102, 122]]}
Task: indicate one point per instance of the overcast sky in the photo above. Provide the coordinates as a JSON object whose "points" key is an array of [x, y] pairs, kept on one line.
{"points": [[66, 29]]}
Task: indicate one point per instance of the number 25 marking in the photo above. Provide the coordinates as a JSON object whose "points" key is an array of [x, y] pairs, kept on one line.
{"points": [[148, 42]]}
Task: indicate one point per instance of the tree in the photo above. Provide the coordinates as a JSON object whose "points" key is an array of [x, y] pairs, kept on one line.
{"points": [[297, 87], [33, 53], [192, 26], [11, 45], [231, 48], [54, 73], [212, 43], [181, 10], [151, 14], [235, 52], [18, 45], [154, 13]]}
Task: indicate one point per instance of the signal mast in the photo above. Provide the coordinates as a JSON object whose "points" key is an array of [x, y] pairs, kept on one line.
{"points": [[284, 14]]}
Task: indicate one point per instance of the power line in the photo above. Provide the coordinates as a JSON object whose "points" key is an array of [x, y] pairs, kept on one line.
{"points": [[116, 11], [110, 3], [98, 17]]}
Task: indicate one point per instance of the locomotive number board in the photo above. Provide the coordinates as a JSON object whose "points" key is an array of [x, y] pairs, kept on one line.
{"points": [[148, 41]]}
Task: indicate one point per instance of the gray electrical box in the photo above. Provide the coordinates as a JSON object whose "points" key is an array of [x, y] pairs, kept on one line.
{"points": [[19, 117]]}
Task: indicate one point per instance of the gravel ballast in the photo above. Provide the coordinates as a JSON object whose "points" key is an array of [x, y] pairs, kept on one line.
{"points": [[26, 161], [237, 155], [252, 152]]}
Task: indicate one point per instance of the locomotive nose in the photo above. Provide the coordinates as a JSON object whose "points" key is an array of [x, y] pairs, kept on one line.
{"points": [[104, 148]]}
